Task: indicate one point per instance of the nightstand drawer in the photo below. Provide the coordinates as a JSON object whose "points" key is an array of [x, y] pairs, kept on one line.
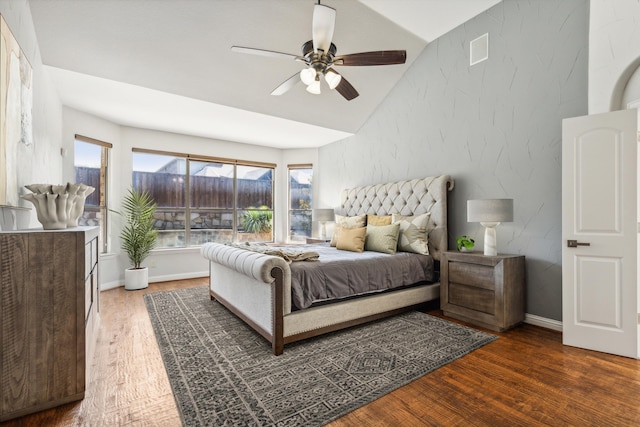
{"points": [[480, 276], [473, 298]]}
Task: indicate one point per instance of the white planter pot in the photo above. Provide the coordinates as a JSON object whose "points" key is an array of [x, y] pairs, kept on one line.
{"points": [[136, 278]]}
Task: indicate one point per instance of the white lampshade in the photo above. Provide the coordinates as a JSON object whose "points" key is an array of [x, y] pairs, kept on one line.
{"points": [[490, 210], [314, 87], [307, 75], [322, 216], [490, 213], [332, 78]]}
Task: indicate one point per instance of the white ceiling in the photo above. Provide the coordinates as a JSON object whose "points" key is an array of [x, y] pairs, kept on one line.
{"points": [[167, 64]]}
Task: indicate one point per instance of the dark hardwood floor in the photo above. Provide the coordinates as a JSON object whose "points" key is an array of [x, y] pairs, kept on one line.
{"points": [[525, 378]]}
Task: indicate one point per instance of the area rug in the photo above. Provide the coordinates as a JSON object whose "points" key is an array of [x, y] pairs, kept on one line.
{"points": [[223, 373]]}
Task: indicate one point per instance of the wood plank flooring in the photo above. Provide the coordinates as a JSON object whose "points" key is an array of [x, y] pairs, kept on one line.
{"points": [[525, 378]]}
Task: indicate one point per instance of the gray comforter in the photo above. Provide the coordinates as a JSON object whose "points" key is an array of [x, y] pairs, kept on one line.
{"points": [[340, 274]]}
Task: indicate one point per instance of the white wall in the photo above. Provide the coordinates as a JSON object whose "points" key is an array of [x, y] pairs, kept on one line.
{"points": [[614, 51], [180, 263], [41, 161]]}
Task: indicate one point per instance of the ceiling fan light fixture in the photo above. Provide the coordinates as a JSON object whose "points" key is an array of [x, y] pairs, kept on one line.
{"points": [[314, 87], [307, 75], [332, 78]]}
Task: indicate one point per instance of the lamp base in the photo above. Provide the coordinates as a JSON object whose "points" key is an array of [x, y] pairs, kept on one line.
{"points": [[490, 242], [323, 230]]}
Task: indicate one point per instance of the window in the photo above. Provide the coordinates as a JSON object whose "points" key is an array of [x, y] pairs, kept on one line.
{"points": [[300, 202], [206, 200], [91, 165]]}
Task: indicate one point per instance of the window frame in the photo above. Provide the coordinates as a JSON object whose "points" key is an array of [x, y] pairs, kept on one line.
{"points": [[222, 160], [103, 191], [291, 210]]}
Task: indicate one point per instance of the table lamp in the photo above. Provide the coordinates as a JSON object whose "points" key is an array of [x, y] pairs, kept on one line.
{"points": [[490, 213], [323, 216]]}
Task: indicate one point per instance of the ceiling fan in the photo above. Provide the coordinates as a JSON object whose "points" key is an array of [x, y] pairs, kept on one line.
{"points": [[319, 56]]}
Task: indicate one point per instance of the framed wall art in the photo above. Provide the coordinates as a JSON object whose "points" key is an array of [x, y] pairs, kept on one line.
{"points": [[16, 105]]}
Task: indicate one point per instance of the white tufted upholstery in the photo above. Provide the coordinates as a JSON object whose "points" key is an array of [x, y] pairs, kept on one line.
{"points": [[255, 265], [406, 198]]}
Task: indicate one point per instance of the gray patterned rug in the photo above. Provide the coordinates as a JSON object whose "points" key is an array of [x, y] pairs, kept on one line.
{"points": [[223, 373]]}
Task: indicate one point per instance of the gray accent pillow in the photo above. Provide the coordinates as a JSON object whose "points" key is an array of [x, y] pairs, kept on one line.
{"points": [[382, 238]]}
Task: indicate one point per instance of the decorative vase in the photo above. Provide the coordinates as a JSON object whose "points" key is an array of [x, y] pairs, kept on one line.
{"points": [[136, 278], [58, 206], [76, 208], [14, 218]]}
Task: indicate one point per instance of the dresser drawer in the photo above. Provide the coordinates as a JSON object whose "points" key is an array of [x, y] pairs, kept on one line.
{"points": [[88, 296], [479, 276], [90, 256]]}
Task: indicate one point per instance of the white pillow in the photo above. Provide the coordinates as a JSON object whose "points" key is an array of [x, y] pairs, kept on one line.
{"points": [[413, 236]]}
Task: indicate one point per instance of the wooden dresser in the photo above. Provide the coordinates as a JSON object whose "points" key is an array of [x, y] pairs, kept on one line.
{"points": [[488, 291], [48, 317]]}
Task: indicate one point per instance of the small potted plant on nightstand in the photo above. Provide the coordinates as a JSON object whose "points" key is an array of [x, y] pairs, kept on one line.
{"points": [[465, 243], [138, 236]]}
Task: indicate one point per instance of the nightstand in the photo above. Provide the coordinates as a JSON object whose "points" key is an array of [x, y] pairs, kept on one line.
{"points": [[488, 291], [316, 240]]}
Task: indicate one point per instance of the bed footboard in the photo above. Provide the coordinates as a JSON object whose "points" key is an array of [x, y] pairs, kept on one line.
{"points": [[256, 287]]}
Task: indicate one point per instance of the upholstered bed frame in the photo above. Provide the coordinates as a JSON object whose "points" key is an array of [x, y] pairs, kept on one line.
{"points": [[257, 287]]}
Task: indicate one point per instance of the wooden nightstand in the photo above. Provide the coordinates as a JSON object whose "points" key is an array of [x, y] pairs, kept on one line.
{"points": [[316, 240], [488, 291]]}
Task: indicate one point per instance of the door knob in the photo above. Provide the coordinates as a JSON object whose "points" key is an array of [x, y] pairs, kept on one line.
{"points": [[575, 244]]}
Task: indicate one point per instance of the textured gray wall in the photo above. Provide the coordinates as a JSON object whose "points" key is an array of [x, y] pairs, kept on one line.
{"points": [[495, 127]]}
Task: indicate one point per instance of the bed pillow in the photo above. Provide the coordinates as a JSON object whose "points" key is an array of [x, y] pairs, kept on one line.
{"points": [[382, 238], [346, 222], [351, 239], [378, 220], [413, 235]]}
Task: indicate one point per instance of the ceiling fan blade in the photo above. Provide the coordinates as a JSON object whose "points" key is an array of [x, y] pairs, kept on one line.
{"points": [[286, 85], [345, 89], [262, 52], [324, 21], [379, 57]]}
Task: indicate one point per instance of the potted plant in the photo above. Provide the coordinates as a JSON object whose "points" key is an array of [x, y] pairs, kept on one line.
{"points": [[138, 236], [465, 243]]}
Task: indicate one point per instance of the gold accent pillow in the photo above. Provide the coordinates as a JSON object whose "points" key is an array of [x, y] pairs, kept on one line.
{"points": [[346, 222], [351, 239], [382, 238], [413, 236], [378, 220]]}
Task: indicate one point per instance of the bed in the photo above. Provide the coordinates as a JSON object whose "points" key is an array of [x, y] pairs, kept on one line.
{"points": [[257, 287]]}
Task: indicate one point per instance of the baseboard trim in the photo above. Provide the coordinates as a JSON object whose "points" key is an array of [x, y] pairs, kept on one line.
{"points": [[152, 279], [543, 322]]}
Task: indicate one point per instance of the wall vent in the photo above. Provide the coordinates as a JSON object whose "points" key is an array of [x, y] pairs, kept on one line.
{"points": [[479, 49]]}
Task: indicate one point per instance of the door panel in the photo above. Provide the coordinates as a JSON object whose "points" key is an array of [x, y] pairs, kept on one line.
{"points": [[599, 210], [597, 163], [598, 290]]}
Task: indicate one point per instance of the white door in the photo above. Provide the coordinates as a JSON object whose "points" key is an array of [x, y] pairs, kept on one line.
{"points": [[599, 232]]}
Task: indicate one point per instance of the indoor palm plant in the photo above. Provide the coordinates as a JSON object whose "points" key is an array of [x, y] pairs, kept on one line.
{"points": [[138, 236]]}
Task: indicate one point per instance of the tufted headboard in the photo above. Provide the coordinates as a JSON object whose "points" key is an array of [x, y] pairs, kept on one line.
{"points": [[413, 197]]}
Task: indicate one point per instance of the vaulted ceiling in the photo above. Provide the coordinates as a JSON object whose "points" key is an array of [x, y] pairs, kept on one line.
{"points": [[167, 64]]}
